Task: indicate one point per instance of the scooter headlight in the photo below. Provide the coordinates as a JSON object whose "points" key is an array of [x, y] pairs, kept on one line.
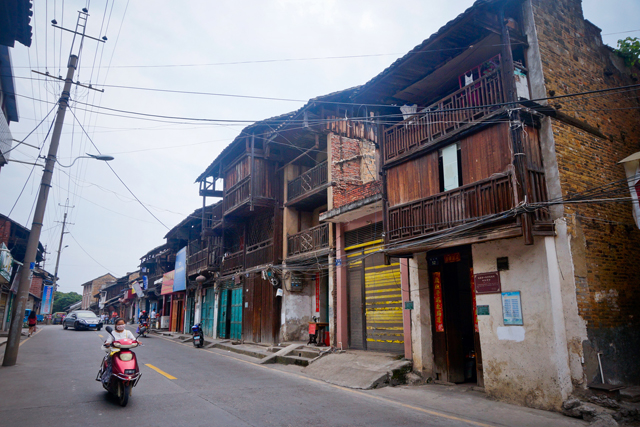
{"points": [[125, 357]]}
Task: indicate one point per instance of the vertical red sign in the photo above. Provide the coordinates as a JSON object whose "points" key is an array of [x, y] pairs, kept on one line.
{"points": [[317, 292], [473, 296], [437, 302]]}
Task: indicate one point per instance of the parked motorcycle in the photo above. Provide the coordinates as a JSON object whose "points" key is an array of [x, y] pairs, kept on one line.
{"points": [[119, 371], [143, 328], [198, 336]]}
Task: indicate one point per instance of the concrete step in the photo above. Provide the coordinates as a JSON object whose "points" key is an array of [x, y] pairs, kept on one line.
{"points": [[293, 360], [241, 349]]}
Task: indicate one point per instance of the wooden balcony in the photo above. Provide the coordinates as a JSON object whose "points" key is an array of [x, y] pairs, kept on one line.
{"points": [[205, 259], [260, 253], [451, 208], [232, 263], [461, 108], [308, 240], [237, 195], [308, 191]]}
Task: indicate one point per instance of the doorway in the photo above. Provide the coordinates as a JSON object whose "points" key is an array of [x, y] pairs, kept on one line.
{"points": [[456, 343]]}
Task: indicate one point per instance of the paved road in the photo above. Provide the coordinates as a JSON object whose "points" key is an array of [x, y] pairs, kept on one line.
{"points": [[53, 384]]}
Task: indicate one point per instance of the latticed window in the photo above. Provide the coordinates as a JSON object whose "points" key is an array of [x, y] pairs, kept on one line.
{"points": [[260, 229]]}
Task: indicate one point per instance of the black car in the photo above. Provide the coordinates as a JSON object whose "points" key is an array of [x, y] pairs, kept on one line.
{"points": [[82, 319]]}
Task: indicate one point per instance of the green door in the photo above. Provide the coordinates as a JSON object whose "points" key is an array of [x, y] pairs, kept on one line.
{"points": [[191, 310], [208, 303], [222, 311], [236, 314]]}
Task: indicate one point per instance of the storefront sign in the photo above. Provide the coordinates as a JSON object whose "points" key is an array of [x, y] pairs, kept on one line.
{"points": [[317, 292], [6, 264], [511, 308], [473, 300], [47, 297], [180, 278], [437, 302], [448, 258], [488, 283], [167, 283]]}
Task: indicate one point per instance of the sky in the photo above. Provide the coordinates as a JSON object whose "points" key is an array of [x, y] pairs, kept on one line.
{"points": [[292, 50]]}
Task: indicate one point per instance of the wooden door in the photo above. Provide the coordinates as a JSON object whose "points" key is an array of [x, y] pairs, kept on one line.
{"points": [[355, 294], [208, 304], [236, 314], [174, 316], [261, 318], [222, 314]]}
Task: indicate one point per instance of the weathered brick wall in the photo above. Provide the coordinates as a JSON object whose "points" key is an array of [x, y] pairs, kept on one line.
{"points": [[354, 170], [5, 231], [605, 241], [36, 286]]}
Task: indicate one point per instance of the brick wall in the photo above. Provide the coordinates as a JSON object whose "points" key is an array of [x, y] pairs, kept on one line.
{"points": [[36, 286], [5, 231], [605, 241], [354, 170]]}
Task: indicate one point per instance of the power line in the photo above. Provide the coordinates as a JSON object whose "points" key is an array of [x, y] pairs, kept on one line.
{"points": [[89, 255], [115, 173]]}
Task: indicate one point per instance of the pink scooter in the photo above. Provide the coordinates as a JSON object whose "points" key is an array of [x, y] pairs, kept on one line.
{"points": [[119, 371]]}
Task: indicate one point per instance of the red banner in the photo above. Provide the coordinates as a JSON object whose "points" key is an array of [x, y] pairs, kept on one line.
{"points": [[455, 257], [473, 296], [437, 302], [317, 292]]}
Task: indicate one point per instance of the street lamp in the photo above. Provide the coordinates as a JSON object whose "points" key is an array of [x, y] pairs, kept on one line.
{"points": [[104, 158]]}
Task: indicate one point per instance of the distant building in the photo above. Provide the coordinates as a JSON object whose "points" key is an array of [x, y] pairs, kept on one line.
{"points": [[91, 288]]}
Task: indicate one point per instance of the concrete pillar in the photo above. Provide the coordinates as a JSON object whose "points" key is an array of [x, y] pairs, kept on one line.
{"points": [[421, 332], [560, 351], [342, 304], [406, 314]]}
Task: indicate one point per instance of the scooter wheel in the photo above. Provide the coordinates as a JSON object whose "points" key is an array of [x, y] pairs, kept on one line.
{"points": [[201, 343], [125, 390]]}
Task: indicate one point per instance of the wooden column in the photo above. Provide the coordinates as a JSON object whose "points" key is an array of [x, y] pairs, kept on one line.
{"points": [[251, 172], [519, 159]]}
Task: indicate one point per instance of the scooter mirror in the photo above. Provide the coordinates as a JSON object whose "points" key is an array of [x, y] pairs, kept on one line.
{"points": [[108, 329]]}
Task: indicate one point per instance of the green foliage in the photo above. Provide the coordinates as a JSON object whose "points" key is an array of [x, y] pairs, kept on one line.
{"points": [[629, 49], [63, 300]]}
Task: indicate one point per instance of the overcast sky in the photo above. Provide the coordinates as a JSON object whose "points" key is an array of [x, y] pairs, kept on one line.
{"points": [[261, 48]]}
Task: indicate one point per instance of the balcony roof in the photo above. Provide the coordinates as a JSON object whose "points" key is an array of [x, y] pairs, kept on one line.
{"points": [[451, 40], [194, 218]]}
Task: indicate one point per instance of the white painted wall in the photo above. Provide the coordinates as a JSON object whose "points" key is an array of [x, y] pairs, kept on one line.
{"points": [[421, 333], [527, 364]]}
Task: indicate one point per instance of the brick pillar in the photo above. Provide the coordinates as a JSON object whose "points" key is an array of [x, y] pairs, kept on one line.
{"points": [[342, 327], [406, 314]]}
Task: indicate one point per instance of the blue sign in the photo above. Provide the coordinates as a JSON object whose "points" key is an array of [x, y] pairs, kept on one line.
{"points": [[145, 282], [180, 278], [47, 298]]}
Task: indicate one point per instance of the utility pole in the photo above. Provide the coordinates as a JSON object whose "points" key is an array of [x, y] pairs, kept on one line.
{"points": [[26, 273], [55, 275]]}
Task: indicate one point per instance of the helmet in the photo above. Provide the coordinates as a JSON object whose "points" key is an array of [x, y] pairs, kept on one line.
{"points": [[144, 311]]}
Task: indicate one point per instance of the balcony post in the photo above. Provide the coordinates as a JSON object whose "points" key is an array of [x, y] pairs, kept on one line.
{"points": [[519, 159], [252, 170]]}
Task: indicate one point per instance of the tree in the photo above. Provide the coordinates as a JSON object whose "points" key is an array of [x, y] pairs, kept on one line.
{"points": [[63, 300], [629, 49]]}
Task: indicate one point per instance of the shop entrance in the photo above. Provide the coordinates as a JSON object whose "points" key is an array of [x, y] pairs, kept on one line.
{"points": [[456, 342]]}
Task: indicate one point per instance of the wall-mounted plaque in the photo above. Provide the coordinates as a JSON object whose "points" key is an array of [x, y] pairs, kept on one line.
{"points": [[488, 283], [483, 310]]}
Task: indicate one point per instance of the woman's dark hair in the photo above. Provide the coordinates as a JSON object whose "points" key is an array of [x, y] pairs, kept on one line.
{"points": [[32, 314], [119, 319]]}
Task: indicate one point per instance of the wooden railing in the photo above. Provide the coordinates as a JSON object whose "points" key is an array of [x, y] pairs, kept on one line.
{"points": [[445, 210], [197, 261], [237, 194], [232, 263], [260, 253], [308, 240], [464, 106], [215, 257], [538, 193], [352, 129], [309, 180]]}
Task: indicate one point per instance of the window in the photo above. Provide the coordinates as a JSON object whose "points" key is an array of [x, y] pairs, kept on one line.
{"points": [[450, 167]]}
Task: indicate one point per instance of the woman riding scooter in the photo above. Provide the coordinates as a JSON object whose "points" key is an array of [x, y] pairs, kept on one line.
{"points": [[121, 333]]}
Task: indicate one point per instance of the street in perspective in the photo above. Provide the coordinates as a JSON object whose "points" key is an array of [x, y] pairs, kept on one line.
{"points": [[323, 213]]}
